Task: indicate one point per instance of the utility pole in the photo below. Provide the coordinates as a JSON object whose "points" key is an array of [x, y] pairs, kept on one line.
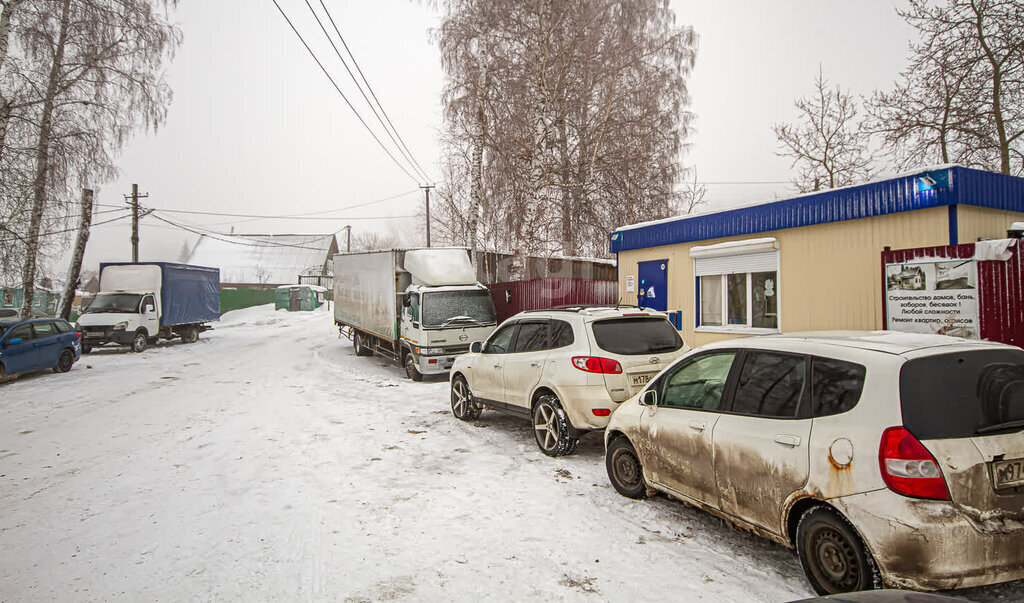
{"points": [[135, 196], [426, 191], [348, 239]]}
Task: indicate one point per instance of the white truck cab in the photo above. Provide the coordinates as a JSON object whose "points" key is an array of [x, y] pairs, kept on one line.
{"points": [[439, 323]]}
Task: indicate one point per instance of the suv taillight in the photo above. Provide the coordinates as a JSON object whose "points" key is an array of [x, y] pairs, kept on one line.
{"points": [[908, 468], [593, 364]]}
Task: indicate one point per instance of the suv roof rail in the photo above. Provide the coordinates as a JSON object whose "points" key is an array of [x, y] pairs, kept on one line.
{"points": [[585, 307]]}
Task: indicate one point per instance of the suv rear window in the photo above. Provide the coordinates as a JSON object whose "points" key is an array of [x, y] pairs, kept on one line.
{"points": [[964, 394], [635, 336]]}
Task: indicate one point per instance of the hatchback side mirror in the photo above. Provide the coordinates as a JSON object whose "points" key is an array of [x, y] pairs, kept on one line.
{"points": [[649, 398], [476, 346]]}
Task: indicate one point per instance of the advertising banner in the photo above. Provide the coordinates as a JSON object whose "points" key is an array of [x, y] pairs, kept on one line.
{"points": [[933, 296]]}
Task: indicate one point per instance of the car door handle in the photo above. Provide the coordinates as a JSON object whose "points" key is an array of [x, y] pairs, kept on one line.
{"points": [[497, 366], [536, 364], [787, 440], [698, 425]]}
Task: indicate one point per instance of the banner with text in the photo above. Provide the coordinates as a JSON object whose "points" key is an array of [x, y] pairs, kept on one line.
{"points": [[934, 296]]}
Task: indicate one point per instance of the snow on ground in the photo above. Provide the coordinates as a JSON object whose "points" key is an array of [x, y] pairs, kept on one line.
{"points": [[268, 462]]}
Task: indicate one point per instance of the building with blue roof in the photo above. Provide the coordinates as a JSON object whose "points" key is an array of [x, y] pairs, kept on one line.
{"points": [[810, 262]]}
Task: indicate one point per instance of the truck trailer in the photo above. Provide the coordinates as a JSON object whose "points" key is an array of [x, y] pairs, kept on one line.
{"points": [[418, 307], [139, 303]]}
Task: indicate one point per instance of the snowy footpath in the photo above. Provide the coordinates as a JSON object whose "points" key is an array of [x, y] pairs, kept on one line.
{"points": [[268, 462]]}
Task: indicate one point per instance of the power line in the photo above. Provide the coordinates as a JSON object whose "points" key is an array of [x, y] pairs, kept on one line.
{"points": [[265, 217], [401, 146], [342, 94], [234, 241], [57, 232]]}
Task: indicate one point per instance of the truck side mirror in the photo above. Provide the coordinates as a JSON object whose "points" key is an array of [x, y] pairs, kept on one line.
{"points": [[148, 308], [406, 300], [649, 398], [476, 346]]}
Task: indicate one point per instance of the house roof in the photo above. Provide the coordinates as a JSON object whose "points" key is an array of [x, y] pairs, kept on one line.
{"points": [[269, 259], [945, 185]]}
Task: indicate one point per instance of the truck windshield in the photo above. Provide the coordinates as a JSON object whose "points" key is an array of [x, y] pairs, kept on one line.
{"points": [[470, 307], [114, 302]]}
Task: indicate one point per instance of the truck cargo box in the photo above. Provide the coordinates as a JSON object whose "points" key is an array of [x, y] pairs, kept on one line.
{"points": [[188, 294]]}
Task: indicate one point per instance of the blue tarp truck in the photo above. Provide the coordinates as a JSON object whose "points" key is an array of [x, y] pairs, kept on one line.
{"points": [[139, 303]]}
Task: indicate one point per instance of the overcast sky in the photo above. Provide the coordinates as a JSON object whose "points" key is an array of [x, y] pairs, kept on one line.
{"points": [[256, 128]]}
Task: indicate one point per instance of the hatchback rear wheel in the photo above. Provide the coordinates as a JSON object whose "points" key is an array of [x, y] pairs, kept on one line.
{"points": [[833, 556], [65, 362], [551, 427]]}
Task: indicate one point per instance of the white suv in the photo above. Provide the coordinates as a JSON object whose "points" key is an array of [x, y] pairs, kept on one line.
{"points": [[565, 369], [883, 458]]}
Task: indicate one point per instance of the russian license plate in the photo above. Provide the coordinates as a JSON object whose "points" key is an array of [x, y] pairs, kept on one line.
{"points": [[94, 335], [1007, 474], [642, 379]]}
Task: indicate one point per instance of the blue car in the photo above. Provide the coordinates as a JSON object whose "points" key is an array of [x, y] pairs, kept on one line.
{"points": [[42, 343]]}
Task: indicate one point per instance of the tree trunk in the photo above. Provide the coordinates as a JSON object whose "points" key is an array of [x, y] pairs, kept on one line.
{"points": [[68, 298], [28, 273], [997, 92], [477, 184], [5, 41]]}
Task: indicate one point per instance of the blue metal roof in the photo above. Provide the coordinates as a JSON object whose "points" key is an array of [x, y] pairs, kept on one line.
{"points": [[936, 188]]}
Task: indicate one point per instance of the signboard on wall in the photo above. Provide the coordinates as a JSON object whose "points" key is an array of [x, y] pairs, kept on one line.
{"points": [[933, 296], [630, 283]]}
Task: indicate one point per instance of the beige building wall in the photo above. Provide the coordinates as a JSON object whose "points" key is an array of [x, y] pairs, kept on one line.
{"points": [[830, 275], [975, 222]]}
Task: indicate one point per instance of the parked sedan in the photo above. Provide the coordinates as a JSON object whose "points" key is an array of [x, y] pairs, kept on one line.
{"points": [[883, 458], [565, 369], [33, 345]]}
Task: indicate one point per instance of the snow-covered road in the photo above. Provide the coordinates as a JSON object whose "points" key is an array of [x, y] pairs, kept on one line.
{"points": [[268, 462]]}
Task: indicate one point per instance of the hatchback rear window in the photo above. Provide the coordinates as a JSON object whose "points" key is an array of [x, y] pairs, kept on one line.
{"points": [[962, 395], [635, 336]]}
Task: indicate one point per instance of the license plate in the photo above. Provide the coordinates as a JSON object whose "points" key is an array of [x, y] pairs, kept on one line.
{"points": [[1007, 474], [94, 335], [642, 379]]}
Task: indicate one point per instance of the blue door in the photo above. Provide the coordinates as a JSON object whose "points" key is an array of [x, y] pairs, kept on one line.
{"points": [[19, 356], [652, 290]]}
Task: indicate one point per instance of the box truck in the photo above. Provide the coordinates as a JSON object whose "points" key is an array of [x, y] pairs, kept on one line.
{"points": [[418, 307], [139, 303]]}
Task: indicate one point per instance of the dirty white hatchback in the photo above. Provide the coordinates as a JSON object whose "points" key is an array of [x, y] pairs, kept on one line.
{"points": [[565, 369], [883, 458]]}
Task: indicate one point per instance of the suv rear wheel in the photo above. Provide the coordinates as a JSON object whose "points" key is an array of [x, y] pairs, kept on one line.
{"points": [[833, 556], [463, 406], [551, 427], [624, 468]]}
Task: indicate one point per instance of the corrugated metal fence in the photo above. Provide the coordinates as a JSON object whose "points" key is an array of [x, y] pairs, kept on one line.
{"points": [[1000, 295], [513, 297]]}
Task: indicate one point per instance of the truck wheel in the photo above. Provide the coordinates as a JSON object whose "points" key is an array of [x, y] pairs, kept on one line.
{"points": [[140, 342], [64, 363], [359, 342], [190, 335], [411, 370]]}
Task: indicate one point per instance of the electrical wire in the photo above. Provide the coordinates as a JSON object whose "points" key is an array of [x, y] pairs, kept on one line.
{"points": [[220, 237], [342, 94], [400, 143], [57, 232]]}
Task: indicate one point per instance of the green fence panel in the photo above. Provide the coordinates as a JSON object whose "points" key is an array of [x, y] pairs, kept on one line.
{"points": [[236, 299]]}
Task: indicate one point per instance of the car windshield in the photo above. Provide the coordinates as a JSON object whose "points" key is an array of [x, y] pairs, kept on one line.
{"points": [[964, 394], [635, 336], [467, 307], [114, 302]]}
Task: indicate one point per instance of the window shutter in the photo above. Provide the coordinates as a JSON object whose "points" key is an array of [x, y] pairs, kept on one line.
{"points": [[736, 264]]}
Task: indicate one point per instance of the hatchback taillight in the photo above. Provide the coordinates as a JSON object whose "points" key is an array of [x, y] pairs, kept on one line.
{"points": [[908, 468], [593, 364]]}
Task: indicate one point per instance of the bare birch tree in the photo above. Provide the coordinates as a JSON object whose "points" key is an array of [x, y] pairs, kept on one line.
{"points": [[564, 120], [961, 97], [825, 144]]}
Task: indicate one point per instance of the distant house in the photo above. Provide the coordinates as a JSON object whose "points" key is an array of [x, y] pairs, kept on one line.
{"points": [[264, 261]]}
